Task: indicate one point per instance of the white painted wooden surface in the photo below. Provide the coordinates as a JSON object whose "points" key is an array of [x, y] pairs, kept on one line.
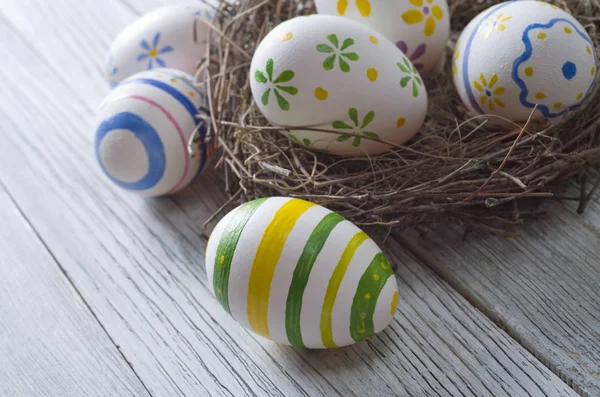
{"points": [[50, 343], [139, 263], [544, 288]]}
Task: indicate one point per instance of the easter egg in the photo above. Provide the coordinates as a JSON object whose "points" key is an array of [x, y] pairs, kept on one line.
{"points": [[331, 73], [170, 36], [420, 28], [519, 55], [143, 130], [299, 274]]}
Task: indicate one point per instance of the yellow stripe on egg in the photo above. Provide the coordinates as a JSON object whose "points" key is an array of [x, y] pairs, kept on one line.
{"points": [[334, 285], [265, 262], [241, 269]]}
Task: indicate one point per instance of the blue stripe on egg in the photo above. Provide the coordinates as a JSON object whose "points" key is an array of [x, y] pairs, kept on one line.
{"points": [[466, 80], [202, 129], [191, 108], [182, 99], [147, 136]]}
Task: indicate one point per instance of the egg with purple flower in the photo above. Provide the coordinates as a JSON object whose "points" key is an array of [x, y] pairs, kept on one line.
{"points": [[420, 28], [172, 36]]}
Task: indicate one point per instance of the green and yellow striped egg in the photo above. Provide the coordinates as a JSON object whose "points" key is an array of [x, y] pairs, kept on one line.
{"points": [[299, 274]]}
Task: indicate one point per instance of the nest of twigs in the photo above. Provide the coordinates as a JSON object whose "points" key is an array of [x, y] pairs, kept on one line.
{"points": [[455, 169]]}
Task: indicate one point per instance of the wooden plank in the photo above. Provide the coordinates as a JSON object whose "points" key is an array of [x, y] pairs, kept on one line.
{"points": [[139, 263], [544, 288], [50, 343]]}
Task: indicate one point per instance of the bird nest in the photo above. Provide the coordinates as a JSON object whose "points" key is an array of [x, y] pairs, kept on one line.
{"points": [[457, 168]]}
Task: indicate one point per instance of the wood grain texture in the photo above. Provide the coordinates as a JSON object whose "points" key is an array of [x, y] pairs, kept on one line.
{"points": [[544, 288], [50, 343], [139, 263]]}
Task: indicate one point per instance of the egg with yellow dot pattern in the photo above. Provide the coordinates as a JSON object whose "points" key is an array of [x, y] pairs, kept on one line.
{"points": [[420, 28], [299, 274], [515, 56], [333, 74]]}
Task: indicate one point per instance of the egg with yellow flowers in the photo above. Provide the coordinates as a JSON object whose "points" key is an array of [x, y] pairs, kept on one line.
{"points": [[519, 56]]}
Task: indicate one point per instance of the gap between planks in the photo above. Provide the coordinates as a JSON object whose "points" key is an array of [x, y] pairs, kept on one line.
{"points": [[46, 325], [73, 285]]}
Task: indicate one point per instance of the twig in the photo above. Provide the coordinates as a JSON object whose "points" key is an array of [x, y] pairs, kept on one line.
{"points": [[512, 148], [584, 203], [221, 208]]}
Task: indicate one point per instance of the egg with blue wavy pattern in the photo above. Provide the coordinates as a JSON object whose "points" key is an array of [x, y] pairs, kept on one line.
{"points": [[521, 55]]}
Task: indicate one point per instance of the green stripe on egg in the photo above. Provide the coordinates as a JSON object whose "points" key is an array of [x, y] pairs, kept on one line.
{"points": [[365, 299], [302, 271], [226, 249]]}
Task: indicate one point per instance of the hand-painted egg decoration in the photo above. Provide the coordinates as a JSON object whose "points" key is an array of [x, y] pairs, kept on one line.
{"points": [[420, 28], [143, 130], [170, 36], [299, 274], [517, 55], [334, 74]]}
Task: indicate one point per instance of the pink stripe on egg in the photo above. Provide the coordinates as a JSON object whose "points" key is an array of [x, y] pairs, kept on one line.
{"points": [[178, 128]]}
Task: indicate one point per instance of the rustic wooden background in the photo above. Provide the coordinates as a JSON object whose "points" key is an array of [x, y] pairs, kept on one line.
{"points": [[104, 293]]}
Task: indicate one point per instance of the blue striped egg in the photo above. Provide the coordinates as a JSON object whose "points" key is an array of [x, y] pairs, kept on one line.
{"points": [[299, 274], [143, 130], [171, 36]]}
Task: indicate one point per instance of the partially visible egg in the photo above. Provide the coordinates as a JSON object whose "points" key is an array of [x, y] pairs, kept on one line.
{"points": [[143, 130], [334, 74], [517, 55], [170, 36], [299, 274], [420, 28]]}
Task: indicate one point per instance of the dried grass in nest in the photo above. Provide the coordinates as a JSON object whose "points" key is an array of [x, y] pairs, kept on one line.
{"points": [[455, 169]]}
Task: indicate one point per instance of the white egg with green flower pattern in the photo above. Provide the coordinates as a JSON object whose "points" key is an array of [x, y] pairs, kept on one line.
{"points": [[330, 73]]}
